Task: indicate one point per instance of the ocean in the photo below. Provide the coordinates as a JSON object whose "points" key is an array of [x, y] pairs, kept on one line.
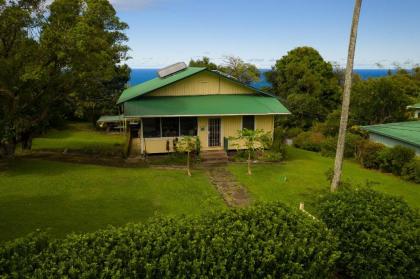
{"points": [[142, 75]]}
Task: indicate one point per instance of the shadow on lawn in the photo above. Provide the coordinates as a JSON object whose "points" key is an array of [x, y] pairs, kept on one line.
{"points": [[63, 214]]}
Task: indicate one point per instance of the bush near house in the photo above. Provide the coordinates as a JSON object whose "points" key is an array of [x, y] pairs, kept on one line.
{"points": [[263, 241], [368, 154], [379, 235], [311, 141], [329, 146], [411, 171], [394, 159]]}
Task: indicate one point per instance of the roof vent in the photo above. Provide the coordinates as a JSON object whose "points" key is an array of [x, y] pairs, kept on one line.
{"points": [[172, 69]]}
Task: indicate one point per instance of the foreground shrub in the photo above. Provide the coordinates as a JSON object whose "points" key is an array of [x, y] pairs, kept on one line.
{"points": [[379, 235], [394, 159], [309, 141], [368, 154], [263, 241], [411, 171]]}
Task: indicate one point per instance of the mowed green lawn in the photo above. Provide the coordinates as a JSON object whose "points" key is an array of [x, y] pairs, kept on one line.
{"points": [[80, 198], [302, 177], [78, 136]]}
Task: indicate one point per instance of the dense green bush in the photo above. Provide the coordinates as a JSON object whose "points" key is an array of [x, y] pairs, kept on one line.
{"points": [[411, 171], [394, 159], [293, 132], [309, 141], [368, 154], [379, 235], [329, 146], [263, 241]]}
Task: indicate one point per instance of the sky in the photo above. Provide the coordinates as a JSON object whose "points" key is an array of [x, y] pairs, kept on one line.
{"points": [[163, 32]]}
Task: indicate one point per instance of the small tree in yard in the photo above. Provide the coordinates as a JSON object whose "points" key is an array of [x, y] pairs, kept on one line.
{"points": [[253, 140], [187, 144]]}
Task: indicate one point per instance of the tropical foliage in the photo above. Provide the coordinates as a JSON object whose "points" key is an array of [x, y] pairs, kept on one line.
{"points": [[253, 141], [58, 61], [263, 241], [379, 235]]}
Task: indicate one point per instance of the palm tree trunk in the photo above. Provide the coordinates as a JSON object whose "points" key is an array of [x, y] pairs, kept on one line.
{"points": [[346, 98]]}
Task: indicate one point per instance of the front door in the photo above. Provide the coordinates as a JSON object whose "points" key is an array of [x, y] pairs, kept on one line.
{"points": [[214, 132]]}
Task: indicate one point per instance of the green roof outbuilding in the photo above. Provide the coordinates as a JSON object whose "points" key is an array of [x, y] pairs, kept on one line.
{"points": [[403, 133]]}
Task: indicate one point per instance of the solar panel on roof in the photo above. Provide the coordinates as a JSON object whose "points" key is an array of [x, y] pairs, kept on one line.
{"points": [[172, 69]]}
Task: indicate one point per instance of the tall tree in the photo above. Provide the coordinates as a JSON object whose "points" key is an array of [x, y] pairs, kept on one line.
{"points": [[382, 100], [308, 85], [74, 56], [346, 98], [242, 71], [23, 89], [204, 62]]}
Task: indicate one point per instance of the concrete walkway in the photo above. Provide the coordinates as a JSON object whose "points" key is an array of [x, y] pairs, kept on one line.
{"points": [[233, 193]]}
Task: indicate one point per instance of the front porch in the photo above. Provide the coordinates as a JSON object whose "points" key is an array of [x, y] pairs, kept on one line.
{"points": [[160, 134]]}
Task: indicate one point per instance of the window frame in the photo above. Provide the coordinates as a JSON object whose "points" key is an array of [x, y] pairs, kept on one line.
{"points": [[242, 122]]}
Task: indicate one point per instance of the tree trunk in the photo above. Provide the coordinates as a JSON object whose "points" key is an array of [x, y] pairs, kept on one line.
{"points": [[26, 139], [188, 164], [249, 162], [346, 98]]}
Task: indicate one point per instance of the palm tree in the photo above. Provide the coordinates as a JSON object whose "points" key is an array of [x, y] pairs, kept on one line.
{"points": [[346, 98]]}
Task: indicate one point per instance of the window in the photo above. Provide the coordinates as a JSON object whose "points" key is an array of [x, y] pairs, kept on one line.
{"points": [[248, 122], [151, 127], [188, 126], [170, 127]]}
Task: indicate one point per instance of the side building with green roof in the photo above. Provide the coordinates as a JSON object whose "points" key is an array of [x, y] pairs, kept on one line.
{"points": [[195, 101], [392, 134]]}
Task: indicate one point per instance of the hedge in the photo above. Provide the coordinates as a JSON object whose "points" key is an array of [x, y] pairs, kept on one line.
{"points": [[394, 159], [309, 141], [262, 241], [379, 235], [329, 146], [368, 154]]}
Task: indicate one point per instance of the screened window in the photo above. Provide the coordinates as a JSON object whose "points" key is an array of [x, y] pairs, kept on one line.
{"points": [[170, 127], [188, 126], [151, 127], [248, 122]]}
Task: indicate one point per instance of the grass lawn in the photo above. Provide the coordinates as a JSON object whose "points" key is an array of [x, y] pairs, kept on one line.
{"points": [[302, 177], [79, 198], [79, 136]]}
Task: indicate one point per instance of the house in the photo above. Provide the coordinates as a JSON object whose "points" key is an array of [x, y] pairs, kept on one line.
{"points": [[194, 101], [391, 134], [416, 109]]}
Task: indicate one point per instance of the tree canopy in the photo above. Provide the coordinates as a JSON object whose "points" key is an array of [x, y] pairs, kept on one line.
{"points": [[65, 59], [385, 99], [308, 85], [232, 66]]}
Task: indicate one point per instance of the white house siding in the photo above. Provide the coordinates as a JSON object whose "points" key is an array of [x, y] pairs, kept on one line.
{"points": [[392, 142]]}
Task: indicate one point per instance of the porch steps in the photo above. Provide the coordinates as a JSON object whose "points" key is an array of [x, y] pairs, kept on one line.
{"points": [[213, 157]]}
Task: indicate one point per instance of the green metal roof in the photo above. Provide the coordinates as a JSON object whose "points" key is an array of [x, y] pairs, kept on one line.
{"points": [[111, 118], [408, 132], [205, 105], [156, 83], [415, 106]]}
